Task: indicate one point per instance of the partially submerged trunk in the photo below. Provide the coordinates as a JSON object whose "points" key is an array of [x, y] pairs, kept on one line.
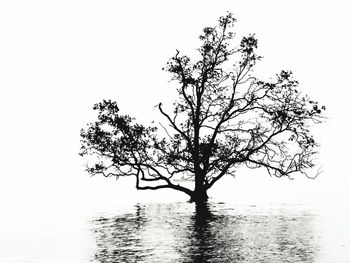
{"points": [[199, 195]]}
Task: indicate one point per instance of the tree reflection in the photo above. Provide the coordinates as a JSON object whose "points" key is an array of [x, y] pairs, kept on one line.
{"points": [[201, 236], [209, 239], [209, 233]]}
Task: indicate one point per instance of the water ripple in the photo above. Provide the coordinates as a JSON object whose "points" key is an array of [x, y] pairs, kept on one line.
{"points": [[180, 232]]}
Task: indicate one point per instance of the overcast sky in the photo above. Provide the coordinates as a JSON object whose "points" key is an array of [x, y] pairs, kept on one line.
{"points": [[58, 58]]}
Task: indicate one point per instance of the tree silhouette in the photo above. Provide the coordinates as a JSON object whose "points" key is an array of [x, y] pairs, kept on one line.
{"points": [[224, 118]]}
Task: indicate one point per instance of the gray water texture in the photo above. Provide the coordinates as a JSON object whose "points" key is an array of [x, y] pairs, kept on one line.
{"points": [[182, 232]]}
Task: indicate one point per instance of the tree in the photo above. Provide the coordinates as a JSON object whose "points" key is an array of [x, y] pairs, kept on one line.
{"points": [[224, 118]]}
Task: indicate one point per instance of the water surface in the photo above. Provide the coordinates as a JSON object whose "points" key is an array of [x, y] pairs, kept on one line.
{"points": [[175, 232], [178, 232]]}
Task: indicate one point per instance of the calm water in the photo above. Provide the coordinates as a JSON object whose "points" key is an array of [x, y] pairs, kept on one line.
{"points": [[178, 232]]}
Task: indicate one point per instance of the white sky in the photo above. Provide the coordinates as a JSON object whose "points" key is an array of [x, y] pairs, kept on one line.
{"points": [[58, 58]]}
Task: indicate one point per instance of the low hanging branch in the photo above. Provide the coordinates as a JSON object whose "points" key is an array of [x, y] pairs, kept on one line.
{"points": [[224, 118]]}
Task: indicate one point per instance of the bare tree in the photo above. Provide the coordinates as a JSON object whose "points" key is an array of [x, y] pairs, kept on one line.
{"points": [[224, 118]]}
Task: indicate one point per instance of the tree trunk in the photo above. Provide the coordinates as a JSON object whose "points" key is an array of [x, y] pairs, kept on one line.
{"points": [[199, 195]]}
